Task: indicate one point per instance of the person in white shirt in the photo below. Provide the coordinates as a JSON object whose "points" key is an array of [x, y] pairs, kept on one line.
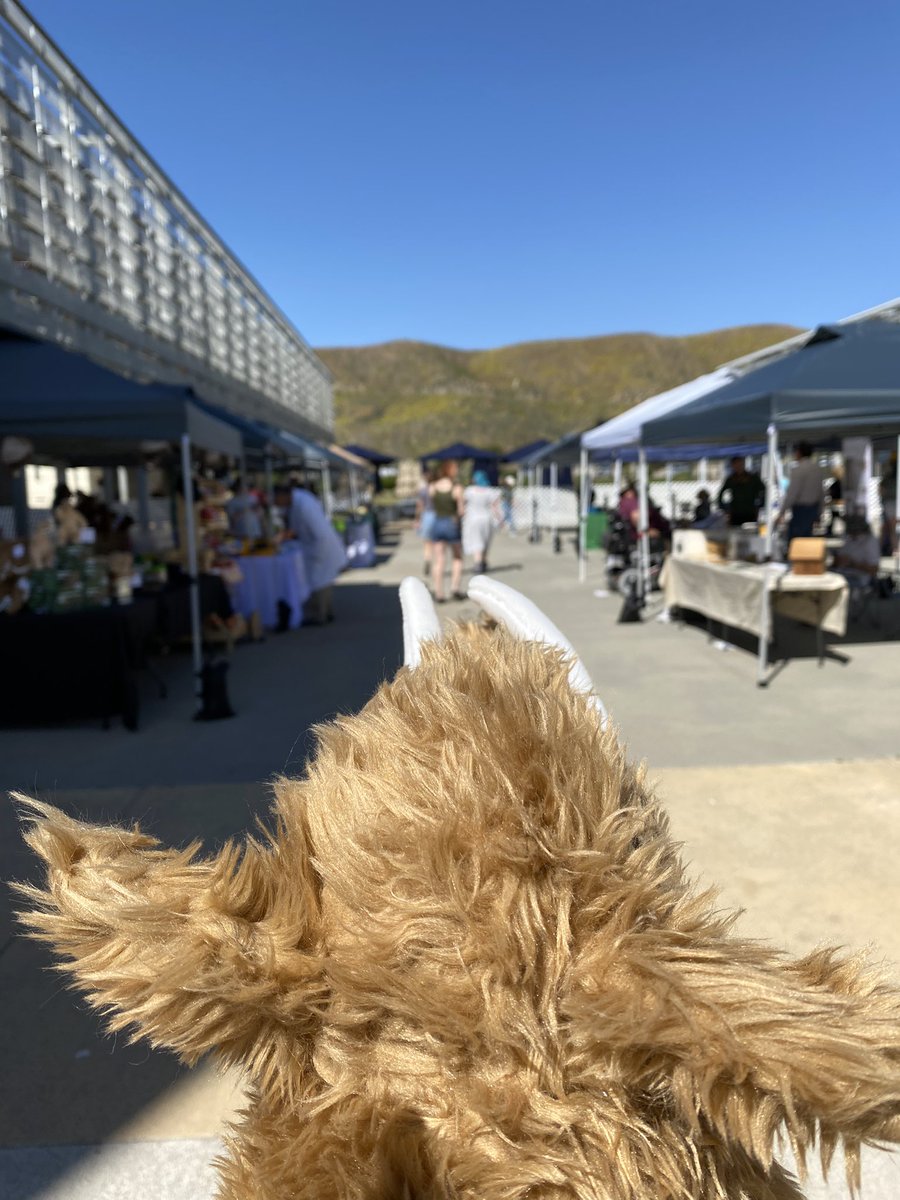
{"points": [[323, 551], [859, 557], [805, 493]]}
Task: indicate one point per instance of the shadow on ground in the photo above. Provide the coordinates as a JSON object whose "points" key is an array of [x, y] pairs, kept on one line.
{"points": [[793, 641], [65, 1082]]}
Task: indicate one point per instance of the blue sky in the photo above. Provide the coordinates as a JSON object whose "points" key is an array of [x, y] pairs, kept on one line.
{"points": [[477, 174]]}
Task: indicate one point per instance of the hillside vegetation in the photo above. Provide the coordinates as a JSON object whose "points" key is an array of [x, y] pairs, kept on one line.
{"points": [[408, 397]]}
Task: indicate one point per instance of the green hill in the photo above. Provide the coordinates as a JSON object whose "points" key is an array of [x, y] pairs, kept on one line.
{"points": [[406, 397]]}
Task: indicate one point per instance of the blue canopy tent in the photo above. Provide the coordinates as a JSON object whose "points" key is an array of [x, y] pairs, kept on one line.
{"points": [[74, 411], [555, 460], [522, 452], [375, 457], [843, 379], [484, 460], [840, 380]]}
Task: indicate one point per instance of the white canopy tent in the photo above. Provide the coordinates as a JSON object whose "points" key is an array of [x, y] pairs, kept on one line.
{"points": [[621, 436], [620, 439]]}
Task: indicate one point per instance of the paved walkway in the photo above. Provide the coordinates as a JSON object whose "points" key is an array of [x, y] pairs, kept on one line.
{"points": [[788, 798]]}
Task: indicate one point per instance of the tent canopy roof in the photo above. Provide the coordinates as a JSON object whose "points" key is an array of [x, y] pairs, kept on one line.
{"points": [[350, 461], [843, 379], [566, 452], [524, 452], [463, 451], [375, 457], [623, 433], [71, 408]]}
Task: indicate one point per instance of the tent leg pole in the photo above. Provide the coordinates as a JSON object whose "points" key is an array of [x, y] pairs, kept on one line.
{"points": [[763, 652], [765, 609], [643, 523], [583, 516], [771, 487], [143, 499], [896, 510], [193, 568], [19, 489], [269, 481], [554, 518], [326, 490]]}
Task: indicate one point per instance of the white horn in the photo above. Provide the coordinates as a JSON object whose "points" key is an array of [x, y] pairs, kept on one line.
{"points": [[420, 621], [522, 617]]}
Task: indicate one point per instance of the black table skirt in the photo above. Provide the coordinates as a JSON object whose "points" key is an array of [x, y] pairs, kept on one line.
{"points": [[62, 666]]}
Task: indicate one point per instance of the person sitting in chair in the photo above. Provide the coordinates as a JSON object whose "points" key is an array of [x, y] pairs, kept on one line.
{"points": [[859, 557]]}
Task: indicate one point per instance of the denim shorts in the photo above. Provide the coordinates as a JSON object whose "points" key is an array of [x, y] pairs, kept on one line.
{"points": [[426, 525], [445, 529]]}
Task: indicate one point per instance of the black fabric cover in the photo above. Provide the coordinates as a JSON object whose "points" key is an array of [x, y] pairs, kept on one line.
{"points": [[63, 666], [66, 666]]}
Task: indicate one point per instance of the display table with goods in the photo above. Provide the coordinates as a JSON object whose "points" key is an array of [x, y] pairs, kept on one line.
{"points": [[268, 579], [71, 634], [745, 595], [77, 627]]}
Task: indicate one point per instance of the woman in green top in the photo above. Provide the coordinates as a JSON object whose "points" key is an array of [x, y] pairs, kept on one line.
{"points": [[447, 502]]}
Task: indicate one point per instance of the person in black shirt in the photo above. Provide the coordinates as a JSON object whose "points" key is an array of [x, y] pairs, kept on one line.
{"points": [[742, 494]]}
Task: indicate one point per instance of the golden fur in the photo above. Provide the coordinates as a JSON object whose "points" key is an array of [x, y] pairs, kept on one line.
{"points": [[467, 964]]}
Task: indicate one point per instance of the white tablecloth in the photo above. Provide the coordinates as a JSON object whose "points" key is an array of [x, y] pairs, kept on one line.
{"points": [[268, 579], [732, 593]]}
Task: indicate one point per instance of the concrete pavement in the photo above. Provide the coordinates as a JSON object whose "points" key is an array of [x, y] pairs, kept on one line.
{"points": [[788, 798]]}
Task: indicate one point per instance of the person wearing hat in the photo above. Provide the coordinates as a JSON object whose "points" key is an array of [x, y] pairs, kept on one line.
{"points": [[481, 515]]}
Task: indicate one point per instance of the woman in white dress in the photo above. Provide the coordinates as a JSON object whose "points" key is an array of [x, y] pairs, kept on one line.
{"points": [[481, 515]]}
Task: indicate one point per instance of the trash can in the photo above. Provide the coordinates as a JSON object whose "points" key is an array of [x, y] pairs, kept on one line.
{"points": [[596, 530]]}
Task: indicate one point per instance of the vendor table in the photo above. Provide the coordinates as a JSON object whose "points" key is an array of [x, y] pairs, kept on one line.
{"points": [[744, 596], [62, 666], [267, 579]]}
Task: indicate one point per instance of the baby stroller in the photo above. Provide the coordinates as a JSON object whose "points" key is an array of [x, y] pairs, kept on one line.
{"points": [[622, 564], [619, 545]]}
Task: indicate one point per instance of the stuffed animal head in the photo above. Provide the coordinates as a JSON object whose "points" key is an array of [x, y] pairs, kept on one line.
{"points": [[466, 962]]}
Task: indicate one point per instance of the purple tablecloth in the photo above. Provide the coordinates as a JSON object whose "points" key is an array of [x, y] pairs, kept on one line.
{"points": [[268, 579]]}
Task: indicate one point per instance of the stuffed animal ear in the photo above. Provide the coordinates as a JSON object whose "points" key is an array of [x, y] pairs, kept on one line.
{"points": [[750, 1042], [195, 954], [420, 621], [523, 618]]}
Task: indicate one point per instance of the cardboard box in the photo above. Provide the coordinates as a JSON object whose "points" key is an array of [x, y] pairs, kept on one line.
{"points": [[807, 556]]}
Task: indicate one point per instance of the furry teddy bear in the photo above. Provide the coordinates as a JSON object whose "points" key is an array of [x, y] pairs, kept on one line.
{"points": [[466, 961]]}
